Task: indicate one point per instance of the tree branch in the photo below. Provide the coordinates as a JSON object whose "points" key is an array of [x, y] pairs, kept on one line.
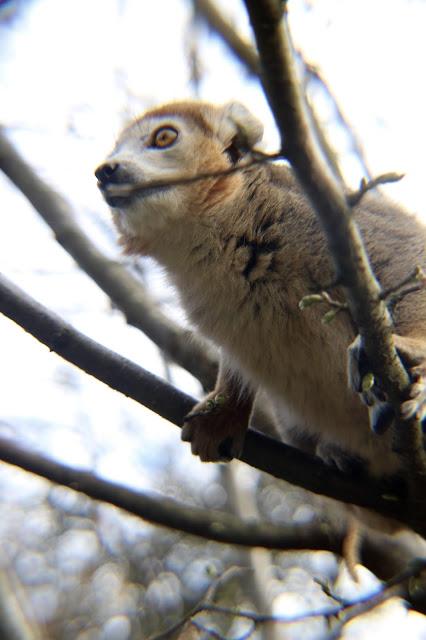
{"points": [[337, 615], [260, 451], [362, 290], [247, 56], [212, 525], [125, 291], [241, 49]]}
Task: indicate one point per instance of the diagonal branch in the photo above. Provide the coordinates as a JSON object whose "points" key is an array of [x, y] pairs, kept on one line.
{"points": [[241, 49], [212, 525], [125, 291], [282, 88], [260, 451]]}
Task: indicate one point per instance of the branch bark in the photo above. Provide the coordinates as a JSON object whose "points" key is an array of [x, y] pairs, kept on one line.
{"points": [[282, 88], [125, 291], [260, 451]]}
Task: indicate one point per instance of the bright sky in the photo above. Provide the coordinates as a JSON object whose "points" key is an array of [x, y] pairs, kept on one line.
{"points": [[70, 74]]}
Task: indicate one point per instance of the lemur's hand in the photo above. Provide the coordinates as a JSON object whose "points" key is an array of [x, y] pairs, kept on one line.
{"points": [[216, 428]]}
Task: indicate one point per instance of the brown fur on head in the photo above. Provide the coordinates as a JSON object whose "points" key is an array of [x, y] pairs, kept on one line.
{"points": [[207, 139]]}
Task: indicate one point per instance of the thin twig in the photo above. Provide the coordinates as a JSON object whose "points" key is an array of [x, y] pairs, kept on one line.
{"points": [[128, 190], [355, 197], [415, 281], [324, 297], [210, 632], [345, 611], [399, 585]]}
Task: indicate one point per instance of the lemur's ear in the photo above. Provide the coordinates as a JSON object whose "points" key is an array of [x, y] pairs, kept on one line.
{"points": [[239, 126]]}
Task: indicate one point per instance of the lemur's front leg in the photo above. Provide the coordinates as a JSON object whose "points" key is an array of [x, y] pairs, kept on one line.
{"points": [[412, 352], [217, 425]]}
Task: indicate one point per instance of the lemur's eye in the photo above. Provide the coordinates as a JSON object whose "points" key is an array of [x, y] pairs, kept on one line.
{"points": [[164, 137]]}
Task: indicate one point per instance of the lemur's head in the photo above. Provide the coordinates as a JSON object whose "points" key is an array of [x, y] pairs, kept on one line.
{"points": [[169, 143]]}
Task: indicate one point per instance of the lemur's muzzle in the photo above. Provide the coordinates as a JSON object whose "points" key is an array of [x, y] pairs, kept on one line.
{"points": [[116, 182]]}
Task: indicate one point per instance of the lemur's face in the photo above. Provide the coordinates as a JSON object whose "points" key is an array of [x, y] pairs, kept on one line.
{"points": [[168, 144]]}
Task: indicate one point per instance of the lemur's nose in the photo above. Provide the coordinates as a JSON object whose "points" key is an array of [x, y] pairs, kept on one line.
{"points": [[105, 172]]}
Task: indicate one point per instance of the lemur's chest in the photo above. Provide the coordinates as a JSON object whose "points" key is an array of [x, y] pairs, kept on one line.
{"points": [[247, 302]]}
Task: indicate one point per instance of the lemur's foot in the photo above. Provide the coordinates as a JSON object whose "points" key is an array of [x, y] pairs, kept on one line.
{"points": [[412, 352], [216, 428]]}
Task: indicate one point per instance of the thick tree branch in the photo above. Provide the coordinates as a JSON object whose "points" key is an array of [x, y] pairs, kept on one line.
{"points": [[363, 292], [261, 452], [125, 291]]}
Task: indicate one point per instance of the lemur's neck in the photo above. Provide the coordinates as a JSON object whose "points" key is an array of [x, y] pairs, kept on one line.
{"points": [[207, 232]]}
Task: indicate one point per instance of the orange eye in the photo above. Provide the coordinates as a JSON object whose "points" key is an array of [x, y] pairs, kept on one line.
{"points": [[164, 137]]}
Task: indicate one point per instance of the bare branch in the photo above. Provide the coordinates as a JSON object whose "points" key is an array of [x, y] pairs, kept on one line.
{"points": [[260, 451], [212, 525], [399, 585], [339, 614], [327, 196], [125, 291]]}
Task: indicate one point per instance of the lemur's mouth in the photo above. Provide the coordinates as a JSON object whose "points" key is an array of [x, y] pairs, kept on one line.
{"points": [[116, 195], [122, 195]]}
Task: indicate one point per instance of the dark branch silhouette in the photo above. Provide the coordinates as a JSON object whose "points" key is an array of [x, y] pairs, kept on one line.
{"points": [[212, 525]]}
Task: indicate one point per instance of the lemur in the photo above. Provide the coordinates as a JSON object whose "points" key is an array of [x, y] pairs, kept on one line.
{"points": [[243, 248]]}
